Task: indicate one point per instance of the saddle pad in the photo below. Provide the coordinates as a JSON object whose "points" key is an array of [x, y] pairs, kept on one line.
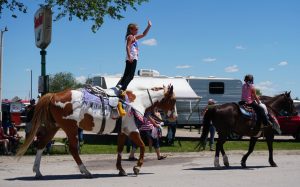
{"points": [[246, 113], [95, 103]]}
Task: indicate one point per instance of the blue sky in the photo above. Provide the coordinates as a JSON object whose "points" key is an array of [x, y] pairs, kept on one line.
{"points": [[193, 37]]}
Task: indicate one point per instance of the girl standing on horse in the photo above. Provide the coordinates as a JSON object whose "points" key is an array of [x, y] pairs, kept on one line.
{"points": [[250, 98], [132, 53]]}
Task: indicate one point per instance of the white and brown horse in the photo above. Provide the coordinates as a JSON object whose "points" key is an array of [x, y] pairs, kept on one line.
{"points": [[67, 110]]}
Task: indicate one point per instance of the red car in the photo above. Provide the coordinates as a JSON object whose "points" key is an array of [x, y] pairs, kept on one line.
{"points": [[290, 125]]}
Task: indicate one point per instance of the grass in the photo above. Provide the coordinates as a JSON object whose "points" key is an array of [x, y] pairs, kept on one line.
{"points": [[183, 146]]}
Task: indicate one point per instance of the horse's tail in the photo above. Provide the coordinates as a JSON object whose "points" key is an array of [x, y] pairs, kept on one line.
{"points": [[207, 120], [41, 115]]}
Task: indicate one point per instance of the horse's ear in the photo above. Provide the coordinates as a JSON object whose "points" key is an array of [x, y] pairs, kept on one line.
{"points": [[171, 90], [288, 94]]}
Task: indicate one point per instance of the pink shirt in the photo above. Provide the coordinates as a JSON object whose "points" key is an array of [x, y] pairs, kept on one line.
{"points": [[247, 93]]}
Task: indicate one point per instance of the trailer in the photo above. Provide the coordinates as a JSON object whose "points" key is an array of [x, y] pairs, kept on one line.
{"points": [[222, 90]]}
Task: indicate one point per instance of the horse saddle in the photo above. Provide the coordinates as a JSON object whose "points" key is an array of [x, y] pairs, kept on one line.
{"points": [[104, 98], [247, 111], [110, 93]]}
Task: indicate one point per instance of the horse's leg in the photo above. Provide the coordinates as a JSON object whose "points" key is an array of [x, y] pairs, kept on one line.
{"points": [[121, 142], [252, 143], [137, 140], [72, 134], [270, 139], [225, 157], [217, 153], [47, 135]]}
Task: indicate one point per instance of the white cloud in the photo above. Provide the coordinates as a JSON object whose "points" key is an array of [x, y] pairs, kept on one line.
{"points": [[266, 88], [240, 47], [283, 63], [150, 42], [271, 69], [231, 69], [209, 59], [81, 79], [183, 67]]}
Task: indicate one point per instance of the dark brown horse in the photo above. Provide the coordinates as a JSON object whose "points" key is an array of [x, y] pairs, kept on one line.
{"points": [[228, 118]]}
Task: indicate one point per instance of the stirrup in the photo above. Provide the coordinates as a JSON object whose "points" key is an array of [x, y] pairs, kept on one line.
{"points": [[122, 112]]}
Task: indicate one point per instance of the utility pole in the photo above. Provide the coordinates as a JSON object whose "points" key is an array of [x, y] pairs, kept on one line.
{"points": [[1, 62]]}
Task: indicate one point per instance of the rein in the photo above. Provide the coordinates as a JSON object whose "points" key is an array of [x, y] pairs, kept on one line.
{"points": [[150, 98]]}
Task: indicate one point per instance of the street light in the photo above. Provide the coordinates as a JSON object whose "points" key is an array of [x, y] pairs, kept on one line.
{"points": [[1, 61], [30, 70]]}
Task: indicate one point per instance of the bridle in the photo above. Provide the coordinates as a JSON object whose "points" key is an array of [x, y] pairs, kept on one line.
{"points": [[290, 106], [152, 105]]}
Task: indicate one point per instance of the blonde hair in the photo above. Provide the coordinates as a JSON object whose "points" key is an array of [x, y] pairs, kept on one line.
{"points": [[129, 27]]}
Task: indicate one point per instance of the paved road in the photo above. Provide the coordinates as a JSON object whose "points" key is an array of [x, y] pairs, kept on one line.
{"points": [[181, 169]]}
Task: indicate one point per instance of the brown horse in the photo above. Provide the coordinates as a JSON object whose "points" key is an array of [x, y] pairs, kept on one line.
{"points": [[228, 118], [73, 109]]}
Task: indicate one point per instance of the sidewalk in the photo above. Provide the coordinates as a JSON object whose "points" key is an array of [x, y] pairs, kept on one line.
{"points": [[180, 133]]}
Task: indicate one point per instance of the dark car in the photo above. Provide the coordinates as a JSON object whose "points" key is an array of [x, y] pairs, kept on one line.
{"points": [[290, 125]]}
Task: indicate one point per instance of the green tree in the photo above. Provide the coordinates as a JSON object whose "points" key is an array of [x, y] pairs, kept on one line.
{"points": [[258, 92], [93, 10], [62, 81]]}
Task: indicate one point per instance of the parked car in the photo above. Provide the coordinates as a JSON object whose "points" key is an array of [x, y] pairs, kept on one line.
{"points": [[290, 125]]}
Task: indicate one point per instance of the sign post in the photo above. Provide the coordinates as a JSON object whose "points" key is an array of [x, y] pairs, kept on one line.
{"points": [[42, 30]]}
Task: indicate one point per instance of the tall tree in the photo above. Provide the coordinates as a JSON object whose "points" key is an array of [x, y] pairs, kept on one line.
{"points": [[258, 92], [62, 81], [93, 10]]}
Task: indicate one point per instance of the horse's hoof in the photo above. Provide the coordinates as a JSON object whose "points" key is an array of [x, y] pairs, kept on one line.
{"points": [[88, 176], [273, 164], [243, 164], [226, 165], [38, 177], [122, 173], [136, 170], [226, 162]]}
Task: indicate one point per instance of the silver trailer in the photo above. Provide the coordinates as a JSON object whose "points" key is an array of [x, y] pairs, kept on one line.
{"points": [[222, 90]]}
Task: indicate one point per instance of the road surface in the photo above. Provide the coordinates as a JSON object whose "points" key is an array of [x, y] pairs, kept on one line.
{"points": [[180, 169]]}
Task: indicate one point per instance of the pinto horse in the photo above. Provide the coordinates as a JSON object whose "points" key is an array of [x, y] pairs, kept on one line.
{"points": [[228, 118], [67, 110]]}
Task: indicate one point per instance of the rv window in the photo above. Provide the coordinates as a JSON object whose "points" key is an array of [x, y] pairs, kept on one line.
{"points": [[216, 87]]}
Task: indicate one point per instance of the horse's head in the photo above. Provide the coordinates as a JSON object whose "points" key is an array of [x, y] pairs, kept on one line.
{"points": [[283, 102], [168, 103]]}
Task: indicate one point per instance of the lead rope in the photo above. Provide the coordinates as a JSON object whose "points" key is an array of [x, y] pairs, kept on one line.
{"points": [[150, 97]]}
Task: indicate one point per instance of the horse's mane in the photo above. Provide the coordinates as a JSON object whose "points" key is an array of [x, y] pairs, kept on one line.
{"points": [[267, 99]]}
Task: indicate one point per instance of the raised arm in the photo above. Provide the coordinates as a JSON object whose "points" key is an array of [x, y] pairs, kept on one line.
{"points": [[139, 36]]}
